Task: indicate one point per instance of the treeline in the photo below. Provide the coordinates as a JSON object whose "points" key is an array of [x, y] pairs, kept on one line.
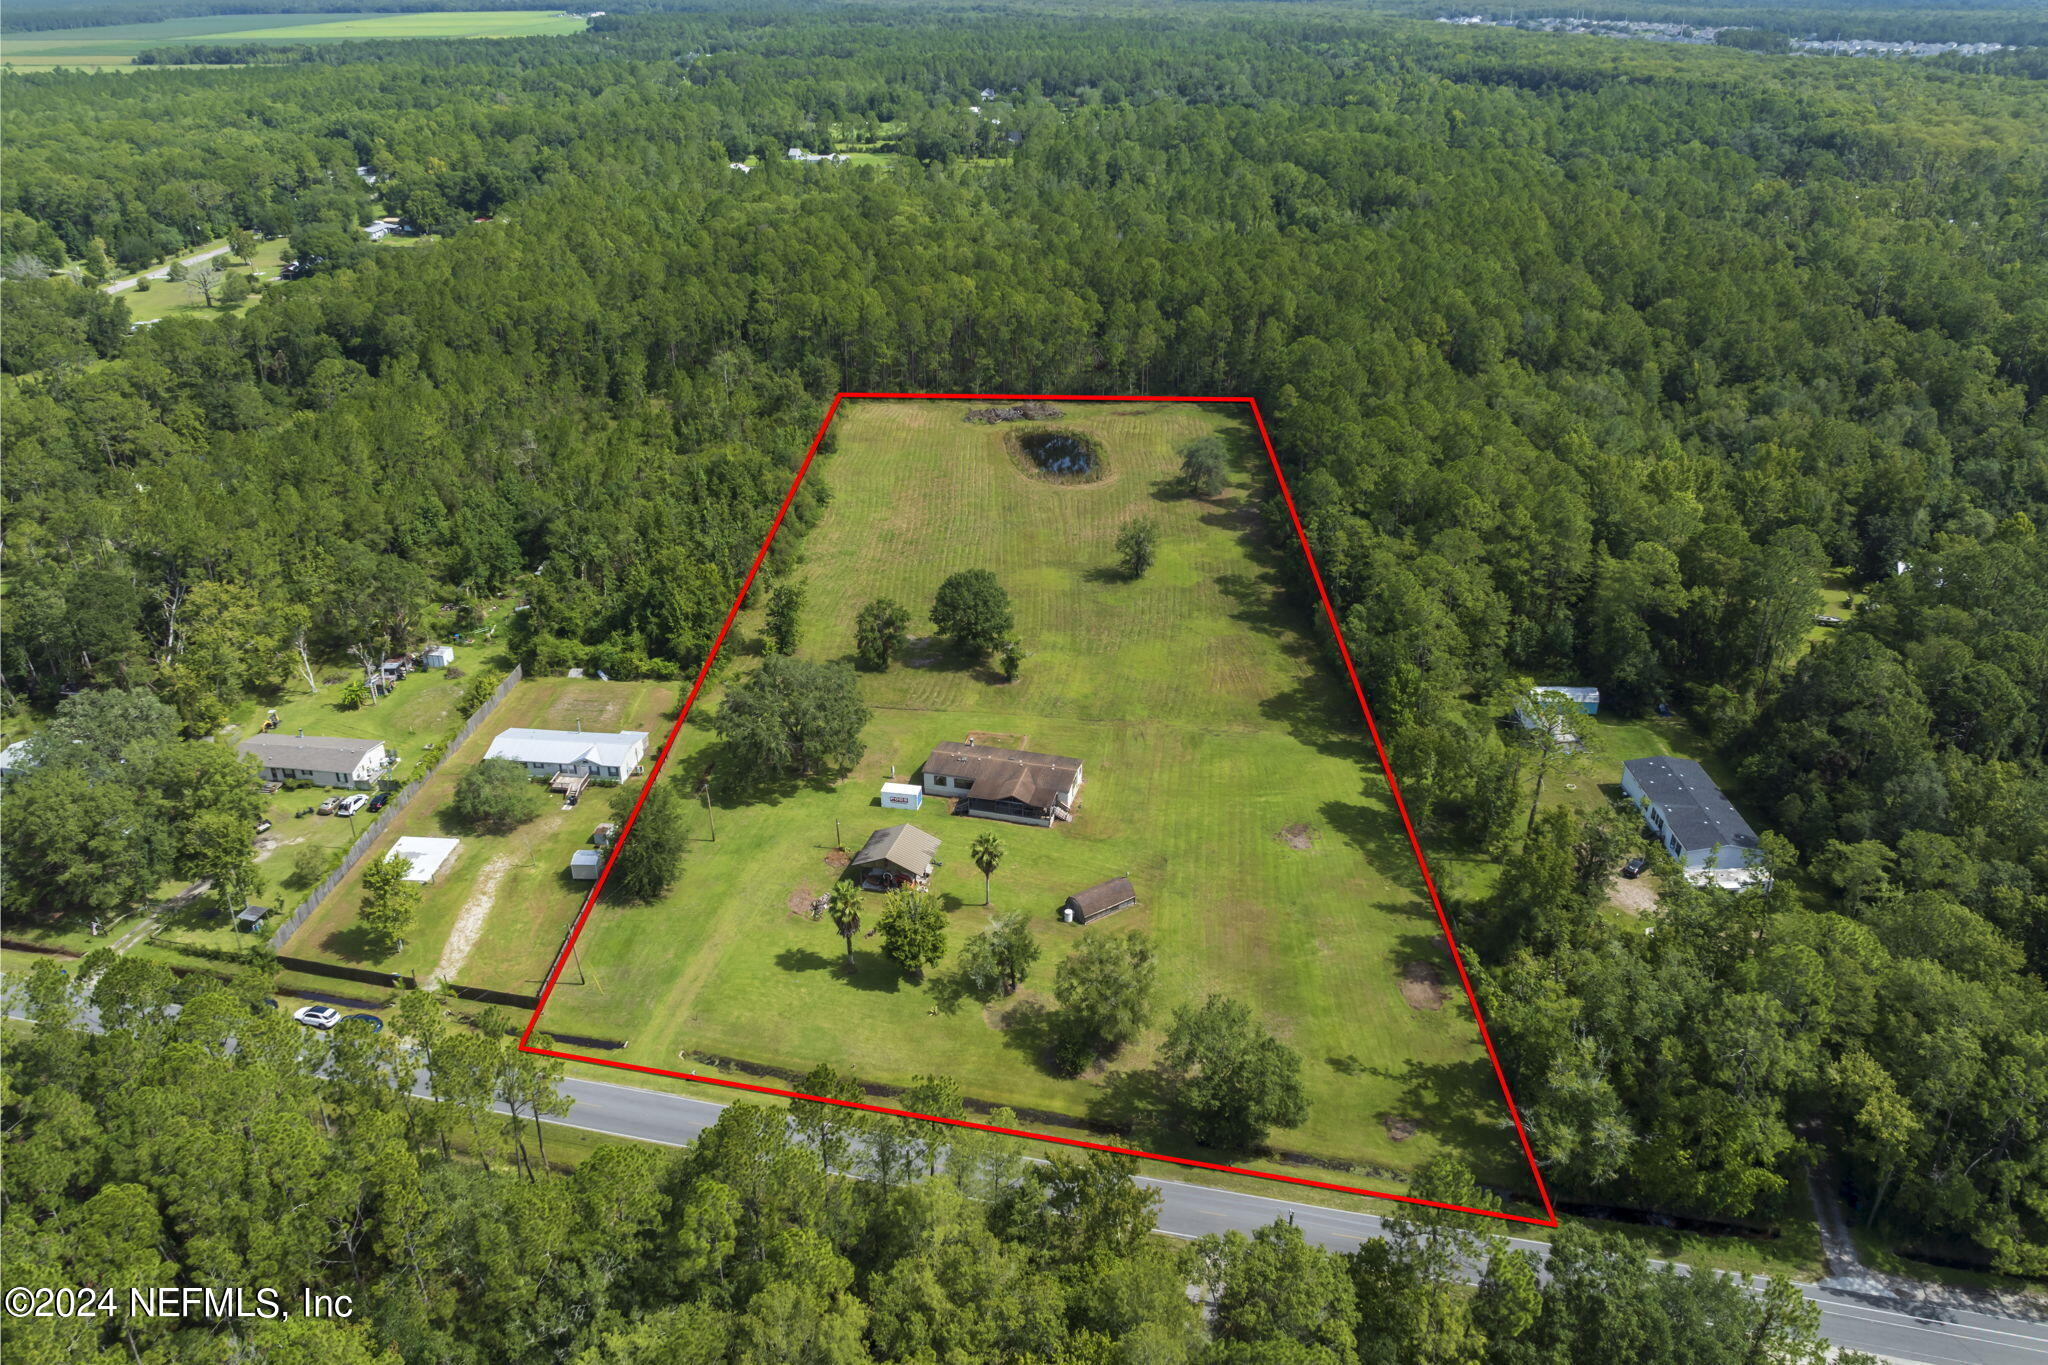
{"points": [[221, 54], [205, 1139], [1583, 363]]}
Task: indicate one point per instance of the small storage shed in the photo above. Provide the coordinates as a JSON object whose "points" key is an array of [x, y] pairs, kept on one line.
{"points": [[437, 656], [585, 864], [251, 919], [1103, 898], [902, 796]]}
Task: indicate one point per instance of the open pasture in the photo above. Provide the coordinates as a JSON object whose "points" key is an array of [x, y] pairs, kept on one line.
{"points": [[1227, 774]]}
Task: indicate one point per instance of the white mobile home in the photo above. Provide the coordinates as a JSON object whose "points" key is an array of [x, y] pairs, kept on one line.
{"points": [[545, 753], [317, 759]]}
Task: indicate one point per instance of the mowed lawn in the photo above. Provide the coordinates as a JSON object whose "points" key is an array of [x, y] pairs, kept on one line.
{"points": [[499, 908], [1227, 775], [117, 44]]}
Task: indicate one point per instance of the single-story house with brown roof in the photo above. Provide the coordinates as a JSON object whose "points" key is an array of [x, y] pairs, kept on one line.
{"points": [[1004, 784], [1101, 899], [895, 856]]}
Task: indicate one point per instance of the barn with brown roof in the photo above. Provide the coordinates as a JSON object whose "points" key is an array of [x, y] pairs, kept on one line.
{"points": [[1004, 784], [1103, 898]]}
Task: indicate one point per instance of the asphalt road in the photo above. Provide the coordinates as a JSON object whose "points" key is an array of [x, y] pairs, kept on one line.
{"points": [[1936, 1328], [1927, 1324]]}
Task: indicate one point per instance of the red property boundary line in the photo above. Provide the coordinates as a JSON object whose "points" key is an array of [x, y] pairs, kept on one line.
{"points": [[1549, 1220]]}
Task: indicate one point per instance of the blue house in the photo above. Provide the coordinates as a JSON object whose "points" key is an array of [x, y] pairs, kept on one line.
{"points": [[1689, 815], [1587, 699]]}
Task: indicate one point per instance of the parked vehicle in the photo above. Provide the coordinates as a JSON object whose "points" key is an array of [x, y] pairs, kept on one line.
{"points": [[263, 827], [374, 1024], [349, 805], [318, 1016], [327, 807], [1635, 867], [378, 802]]}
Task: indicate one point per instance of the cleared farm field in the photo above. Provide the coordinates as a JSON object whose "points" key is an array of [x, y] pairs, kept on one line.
{"points": [[1227, 775], [117, 44]]}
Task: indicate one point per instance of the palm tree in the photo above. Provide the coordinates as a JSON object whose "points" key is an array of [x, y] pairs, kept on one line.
{"points": [[987, 853], [843, 904]]}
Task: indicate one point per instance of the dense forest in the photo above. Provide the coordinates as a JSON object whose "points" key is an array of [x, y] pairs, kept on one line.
{"points": [[1583, 359]]}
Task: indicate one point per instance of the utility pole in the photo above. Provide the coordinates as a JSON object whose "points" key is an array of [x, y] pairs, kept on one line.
{"points": [[704, 790]]}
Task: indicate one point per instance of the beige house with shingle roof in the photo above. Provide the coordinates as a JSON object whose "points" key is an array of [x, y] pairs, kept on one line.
{"points": [[1004, 784]]}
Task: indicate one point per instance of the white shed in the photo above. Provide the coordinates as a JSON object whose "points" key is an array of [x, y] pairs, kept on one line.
{"points": [[437, 656], [427, 856], [902, 796], [585, 864]]}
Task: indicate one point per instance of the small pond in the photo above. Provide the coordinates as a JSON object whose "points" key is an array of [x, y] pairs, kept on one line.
{"points": [[1060, 453]]}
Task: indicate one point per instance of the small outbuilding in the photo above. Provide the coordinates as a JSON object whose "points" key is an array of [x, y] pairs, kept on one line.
{"points": [[1103, 898], [251, 919], [437, 656], [900, 855], [429, 857], [902, 795], [585, 864]]}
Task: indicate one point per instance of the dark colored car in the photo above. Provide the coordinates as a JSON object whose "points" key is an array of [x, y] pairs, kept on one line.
{"points": [[376, 1024], [378, 802], [1635, 867]]}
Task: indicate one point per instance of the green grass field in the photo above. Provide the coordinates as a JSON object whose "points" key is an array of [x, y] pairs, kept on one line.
{"points": [[509, 896], [117, 44], [1211, 728]]}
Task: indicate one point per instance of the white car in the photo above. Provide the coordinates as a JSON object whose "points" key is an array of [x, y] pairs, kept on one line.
{"points": [[318, 1016], [349, 805]]}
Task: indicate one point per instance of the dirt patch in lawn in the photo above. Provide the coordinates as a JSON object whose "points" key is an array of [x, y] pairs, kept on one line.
{"points": [[1636, 895], [1422, 986], [800, 900], [1398, 1128], [469, 925], [837, 859], [1300, 838], [989, 737], [922, 652]]}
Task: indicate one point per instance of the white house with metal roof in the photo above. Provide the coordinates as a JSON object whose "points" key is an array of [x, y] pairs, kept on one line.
{"points": [[319, 759], [577, 752]]}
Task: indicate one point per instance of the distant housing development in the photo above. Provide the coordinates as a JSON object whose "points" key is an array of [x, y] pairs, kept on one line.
{"points": [[318, 759], [1690, 816], [1004, 784], [576, 752]]}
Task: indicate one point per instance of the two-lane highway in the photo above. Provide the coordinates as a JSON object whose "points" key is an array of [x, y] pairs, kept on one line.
{"points": [[1937, 1327]]}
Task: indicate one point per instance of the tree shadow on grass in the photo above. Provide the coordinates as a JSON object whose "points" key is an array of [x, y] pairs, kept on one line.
{"points": [[355, 945], [735, 783], [1136, 1102], [871, 971], [1026, 1027], [1376, 833], [1460, 1105], [1320, 712]]}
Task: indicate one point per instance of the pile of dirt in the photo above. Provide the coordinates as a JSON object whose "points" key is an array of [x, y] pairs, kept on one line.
{"points": [[837, 859], [1398, 1128], [1022, 412], [1422, 986], [800, 900], [1297, 837]]}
